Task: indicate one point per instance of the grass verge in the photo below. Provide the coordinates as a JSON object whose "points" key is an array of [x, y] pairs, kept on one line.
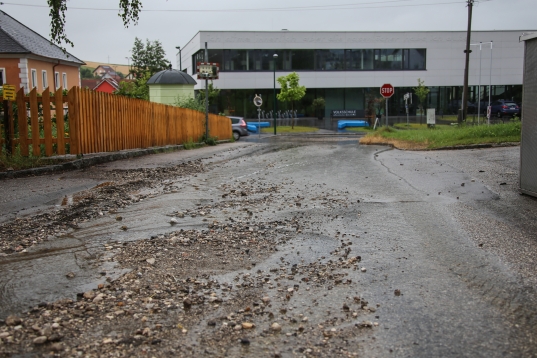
{"points": [[445, 136], [288, 129]]}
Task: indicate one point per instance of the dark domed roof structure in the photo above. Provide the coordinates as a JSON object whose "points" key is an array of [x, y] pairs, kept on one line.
{"points": [[171, 77]]}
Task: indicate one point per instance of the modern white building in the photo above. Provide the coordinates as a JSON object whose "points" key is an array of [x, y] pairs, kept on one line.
{"points": [[348, 68]]}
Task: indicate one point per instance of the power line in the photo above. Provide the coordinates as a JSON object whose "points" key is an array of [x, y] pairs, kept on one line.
{"points": [[388, 4]]}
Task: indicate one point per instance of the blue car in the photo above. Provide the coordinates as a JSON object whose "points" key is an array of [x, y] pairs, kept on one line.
{"points": [[501, 108]]}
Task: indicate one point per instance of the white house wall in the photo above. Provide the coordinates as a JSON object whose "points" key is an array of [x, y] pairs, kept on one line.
{"points": [[445, 57]]}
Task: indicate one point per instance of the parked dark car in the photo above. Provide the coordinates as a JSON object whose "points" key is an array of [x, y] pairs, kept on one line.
{"points": [[501, 108], [239, 127]]}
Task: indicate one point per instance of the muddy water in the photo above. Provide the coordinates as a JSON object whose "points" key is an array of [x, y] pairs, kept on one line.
{"points": [[41, 274]]}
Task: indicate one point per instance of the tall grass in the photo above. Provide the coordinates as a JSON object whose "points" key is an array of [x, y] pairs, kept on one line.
{"points": [[446, 136]]}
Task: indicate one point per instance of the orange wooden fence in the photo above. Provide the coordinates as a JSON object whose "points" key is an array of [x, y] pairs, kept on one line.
{"points": [[102, 122]]}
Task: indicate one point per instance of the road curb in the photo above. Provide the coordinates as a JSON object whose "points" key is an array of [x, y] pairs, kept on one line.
{"points": [[92, 159]]}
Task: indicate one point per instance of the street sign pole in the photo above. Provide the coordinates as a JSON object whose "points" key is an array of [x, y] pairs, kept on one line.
{"points": [[206, 98], [258, 102], [9, 94], [387, 91], [7, 131], [259, 122], [386, 112]]}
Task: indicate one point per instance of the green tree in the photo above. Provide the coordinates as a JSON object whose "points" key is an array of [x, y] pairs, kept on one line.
{"points": [[135, 89], [190, 103], [129, 11], [148, 58], [213, 93], [86, 72], [291, 90], [421, 92]]}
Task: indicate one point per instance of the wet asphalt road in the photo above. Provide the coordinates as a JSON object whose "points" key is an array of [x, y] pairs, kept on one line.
{"points": [[437, 226]]}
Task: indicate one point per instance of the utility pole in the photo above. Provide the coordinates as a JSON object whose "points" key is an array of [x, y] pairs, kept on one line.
{"points": [[462, 117]]}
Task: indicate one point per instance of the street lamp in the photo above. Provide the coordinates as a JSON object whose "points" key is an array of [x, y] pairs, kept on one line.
{"points": [[490, 79], [275, 56], [180, 59]]}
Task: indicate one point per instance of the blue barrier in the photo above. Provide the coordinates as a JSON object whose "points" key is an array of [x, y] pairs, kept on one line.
{"points": [[251, 128], [346, 123], [260, 124]]}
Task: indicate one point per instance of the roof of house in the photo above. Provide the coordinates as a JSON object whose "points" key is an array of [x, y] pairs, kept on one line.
{"points": [[17, 38], [110, 81], [169, 77], [89, 82], [105, 67]]}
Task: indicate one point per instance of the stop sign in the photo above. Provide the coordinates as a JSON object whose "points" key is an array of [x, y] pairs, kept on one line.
{"points": [[386, 90]]}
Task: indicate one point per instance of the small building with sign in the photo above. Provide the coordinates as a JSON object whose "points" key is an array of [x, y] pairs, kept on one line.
{"points": [[28, 60], [166, 86], [528, 144], [347, 68]]}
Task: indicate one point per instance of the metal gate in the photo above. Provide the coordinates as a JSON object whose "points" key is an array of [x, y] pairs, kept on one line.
{"points": [[528, 145]]}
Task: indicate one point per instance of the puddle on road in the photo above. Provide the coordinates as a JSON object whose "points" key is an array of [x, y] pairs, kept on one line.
{"points": [[40, 275]]}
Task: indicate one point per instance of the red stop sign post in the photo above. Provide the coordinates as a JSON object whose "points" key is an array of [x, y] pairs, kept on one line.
{"points": [[386, 91]]}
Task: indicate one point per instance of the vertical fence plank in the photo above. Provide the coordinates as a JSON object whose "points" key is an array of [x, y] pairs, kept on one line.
{"points": [[12, 126], [60, 123], [91, 121], [47, 123], [103, 133], [108, 123], [34, 117], [111, 111], [23, 123], [73, 102], [121, 104], [82, 115], [97, 131]]}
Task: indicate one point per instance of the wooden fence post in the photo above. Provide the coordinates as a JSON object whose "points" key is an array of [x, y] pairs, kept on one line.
{"points": [[47, 123], [74, 120], [60, 125], [23, 123], [7, 127], [34, 115]]}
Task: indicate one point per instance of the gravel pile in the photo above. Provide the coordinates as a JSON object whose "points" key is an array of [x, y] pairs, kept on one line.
{"points": [[171, 303]]}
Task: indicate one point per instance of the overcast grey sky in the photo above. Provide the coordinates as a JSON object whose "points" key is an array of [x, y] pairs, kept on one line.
{"points": [[99, 35]]}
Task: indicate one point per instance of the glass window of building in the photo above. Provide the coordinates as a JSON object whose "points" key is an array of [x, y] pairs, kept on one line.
{"points": [[263, 60], [215, 56], [330, 60], [236, 60], [198, 57], [356, 60], [303, 60], [389, 59], [417, 59], [284, 59]]}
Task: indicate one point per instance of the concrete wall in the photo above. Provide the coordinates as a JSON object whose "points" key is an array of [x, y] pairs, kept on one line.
{"points": [[167, 94], [445, 57]]}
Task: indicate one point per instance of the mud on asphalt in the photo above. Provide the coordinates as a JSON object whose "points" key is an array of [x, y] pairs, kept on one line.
{"points": [[194, 292], [307, 248]]}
